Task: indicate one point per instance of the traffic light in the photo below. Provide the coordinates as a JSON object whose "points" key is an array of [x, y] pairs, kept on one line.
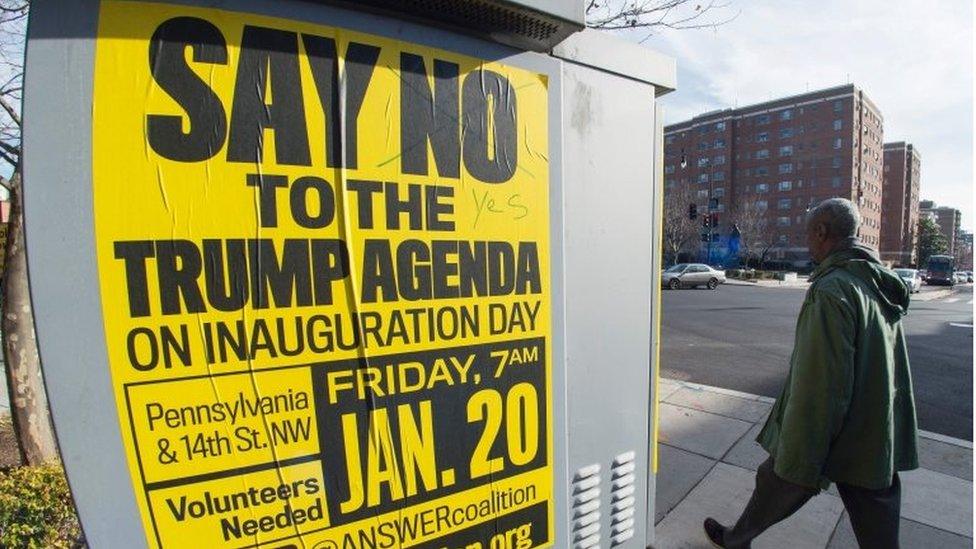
{"points": [[706, 221], [692, 211]]}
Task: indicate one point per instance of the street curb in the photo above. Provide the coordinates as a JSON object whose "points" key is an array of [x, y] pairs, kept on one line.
{"points": [[759, 398], [931, 296], [945, 439], [726, 392]]}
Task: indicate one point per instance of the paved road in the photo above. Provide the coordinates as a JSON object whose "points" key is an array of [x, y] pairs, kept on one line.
{"points": [[740, 337]]}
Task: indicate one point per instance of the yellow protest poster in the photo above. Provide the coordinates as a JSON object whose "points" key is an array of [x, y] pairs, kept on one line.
{"points": [[324, 263]]}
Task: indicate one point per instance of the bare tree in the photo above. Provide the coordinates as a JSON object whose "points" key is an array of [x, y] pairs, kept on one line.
{"points": [[755, 239], [658, 14], [28, 401], [680, 231]]}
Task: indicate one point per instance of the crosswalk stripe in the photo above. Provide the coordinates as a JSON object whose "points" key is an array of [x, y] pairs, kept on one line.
{"points": [[952, 300]]}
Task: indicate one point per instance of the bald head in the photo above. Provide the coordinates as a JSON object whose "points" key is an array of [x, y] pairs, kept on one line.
{"points": [[831, 222]]}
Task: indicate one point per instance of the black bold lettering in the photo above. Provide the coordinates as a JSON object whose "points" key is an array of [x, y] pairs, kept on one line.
{"points": [[289, 278], [413, 276], [435, 208], [232, 294], [411, 206], [167, 62], [501, 268], [527, 274], [429, 116], [322, 59], [135, 253], [443, 268], [178, 266], [473, 268], [364, 190], [268, 53], [489, 126], [360, 62], [378, 271], [267, 195], [330, 262], [299, 202]]}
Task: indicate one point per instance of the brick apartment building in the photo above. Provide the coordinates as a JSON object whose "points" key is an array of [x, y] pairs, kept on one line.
{"points": [[947, 218], [781, 157], [964, 253], [899, 224]]}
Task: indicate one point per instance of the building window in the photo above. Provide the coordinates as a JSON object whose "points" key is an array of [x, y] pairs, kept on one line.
{"points": [[785, 203], [718, 192], [669, 169], [786, 115], [762, 153], [786, 168], [762, 205], [762, 188], [799, 220], [718, 160], [838, 105], [703, 146], [702, 162], [718, 176], [785, 132], [762, 137], [669, 140], [762, 119], [762, 170], [669, 184], [703, 178], [720, 126], [703, 193], [786, 151], [720, 208], [835, 162], [784, 239], [835, 181], [702, 130], [838, 124], [719, 143], [785, 185], [783, 221], [838, 142]]}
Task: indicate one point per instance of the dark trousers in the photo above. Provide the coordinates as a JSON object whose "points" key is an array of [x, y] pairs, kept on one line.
{"points": [[874, 513]]}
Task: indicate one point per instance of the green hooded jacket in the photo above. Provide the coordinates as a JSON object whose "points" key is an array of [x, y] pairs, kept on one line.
{"points": [[846, 413]]}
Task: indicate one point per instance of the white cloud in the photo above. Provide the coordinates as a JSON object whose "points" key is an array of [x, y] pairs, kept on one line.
{"points": [[913, 58]]}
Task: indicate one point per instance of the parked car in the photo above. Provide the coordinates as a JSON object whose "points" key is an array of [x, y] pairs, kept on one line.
{"points": [[924, 274], [959, 277], [692, 275], [912, 278], [969, 276]]}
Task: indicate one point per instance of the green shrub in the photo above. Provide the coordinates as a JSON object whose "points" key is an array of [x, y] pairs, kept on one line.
{"points": [[36, 510]]}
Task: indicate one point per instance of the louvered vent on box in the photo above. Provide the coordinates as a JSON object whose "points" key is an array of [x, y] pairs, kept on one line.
{"points": [[502, 21], [586, 507], [622, 500]]}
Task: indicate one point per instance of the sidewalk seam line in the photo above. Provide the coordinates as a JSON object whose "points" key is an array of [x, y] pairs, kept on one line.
{"points": [[707, 412]]}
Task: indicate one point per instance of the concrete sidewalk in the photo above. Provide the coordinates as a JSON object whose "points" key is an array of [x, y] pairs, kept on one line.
{"points": [[708, 459]]}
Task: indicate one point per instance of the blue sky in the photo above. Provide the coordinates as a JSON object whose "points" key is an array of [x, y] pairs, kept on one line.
{"points": [[913, 58]]}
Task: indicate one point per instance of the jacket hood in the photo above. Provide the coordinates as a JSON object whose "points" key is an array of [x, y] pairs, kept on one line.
{"points": [[863, 262]]}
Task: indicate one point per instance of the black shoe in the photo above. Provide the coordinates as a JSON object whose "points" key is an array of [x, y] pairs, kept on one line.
{"points": [[715, 532]]}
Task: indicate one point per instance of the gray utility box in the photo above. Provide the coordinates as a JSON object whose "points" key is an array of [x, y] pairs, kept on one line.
{"points": [[329, 276]]}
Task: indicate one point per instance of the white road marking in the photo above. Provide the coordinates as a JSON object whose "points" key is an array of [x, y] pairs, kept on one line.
{"points": [[952, 300], [960, 325]]}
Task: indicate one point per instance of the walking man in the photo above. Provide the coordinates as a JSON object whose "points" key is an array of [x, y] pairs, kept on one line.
{"points": [[846, 414]]}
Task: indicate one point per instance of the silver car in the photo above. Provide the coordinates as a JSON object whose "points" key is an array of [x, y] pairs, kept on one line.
{"points": [[911, 278], [692, 275]]}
